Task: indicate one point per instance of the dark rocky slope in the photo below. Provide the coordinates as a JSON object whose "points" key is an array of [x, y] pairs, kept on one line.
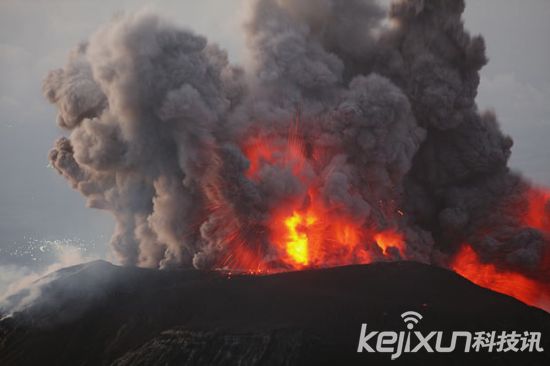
{"points": [[100, 314]]}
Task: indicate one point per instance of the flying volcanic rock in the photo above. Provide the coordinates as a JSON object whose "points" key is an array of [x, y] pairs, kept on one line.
{"points": [[353, 137]]}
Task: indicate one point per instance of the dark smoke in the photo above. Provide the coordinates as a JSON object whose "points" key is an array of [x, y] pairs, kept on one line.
{"points": [[157, 117]]}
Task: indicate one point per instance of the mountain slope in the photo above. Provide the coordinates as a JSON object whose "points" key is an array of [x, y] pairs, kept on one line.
{"points": [[100, 314]]}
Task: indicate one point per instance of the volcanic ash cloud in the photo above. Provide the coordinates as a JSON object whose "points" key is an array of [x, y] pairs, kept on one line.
{"points": [[353, 137]]}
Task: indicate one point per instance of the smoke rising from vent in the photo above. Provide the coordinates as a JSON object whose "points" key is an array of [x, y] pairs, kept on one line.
{"points": [[353, 122]]}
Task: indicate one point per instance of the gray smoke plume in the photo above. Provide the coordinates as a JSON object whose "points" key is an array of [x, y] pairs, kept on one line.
{"points": [[159, 122]]}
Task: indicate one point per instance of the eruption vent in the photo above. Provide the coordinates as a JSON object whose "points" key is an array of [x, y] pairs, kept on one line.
{"points": [[353, 137]]}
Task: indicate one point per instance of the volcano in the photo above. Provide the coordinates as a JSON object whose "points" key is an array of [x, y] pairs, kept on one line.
{"points": [[342, 177], [350, 135], [101, 314]]}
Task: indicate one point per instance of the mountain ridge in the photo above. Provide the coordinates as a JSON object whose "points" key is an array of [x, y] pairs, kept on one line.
{"points": [[101, 314]]}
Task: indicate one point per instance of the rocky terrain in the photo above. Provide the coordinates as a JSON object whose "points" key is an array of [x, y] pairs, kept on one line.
{"points": [[101, 314]]}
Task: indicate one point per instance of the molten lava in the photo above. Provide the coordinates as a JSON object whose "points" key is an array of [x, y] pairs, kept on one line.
{"points": [[297, 242], [390, 239], [538, 210], [467, 264], [314, 237], [305, 230]]}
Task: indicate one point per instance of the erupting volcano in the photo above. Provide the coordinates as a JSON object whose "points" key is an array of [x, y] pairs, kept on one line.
{"points": [[307, 230], [352, 137]]}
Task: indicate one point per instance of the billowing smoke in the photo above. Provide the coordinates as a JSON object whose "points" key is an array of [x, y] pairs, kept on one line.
{"points": [[171, 138]]}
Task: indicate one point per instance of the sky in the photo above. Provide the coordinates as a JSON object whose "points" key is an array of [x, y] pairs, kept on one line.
{"points": [[42, 218]]}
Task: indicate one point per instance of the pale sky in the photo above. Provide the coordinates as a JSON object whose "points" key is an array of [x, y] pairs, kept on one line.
{"points": [[38, 208]]}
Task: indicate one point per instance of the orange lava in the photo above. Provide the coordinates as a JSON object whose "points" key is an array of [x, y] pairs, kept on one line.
{"points": [[297, 240], [538, 210], [286, 153], [313, 237], [390, 239], [467, 264], [309, 232]]}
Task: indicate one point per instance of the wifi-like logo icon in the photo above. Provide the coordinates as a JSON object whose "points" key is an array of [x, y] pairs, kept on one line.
{"points": [[411, 318]]}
